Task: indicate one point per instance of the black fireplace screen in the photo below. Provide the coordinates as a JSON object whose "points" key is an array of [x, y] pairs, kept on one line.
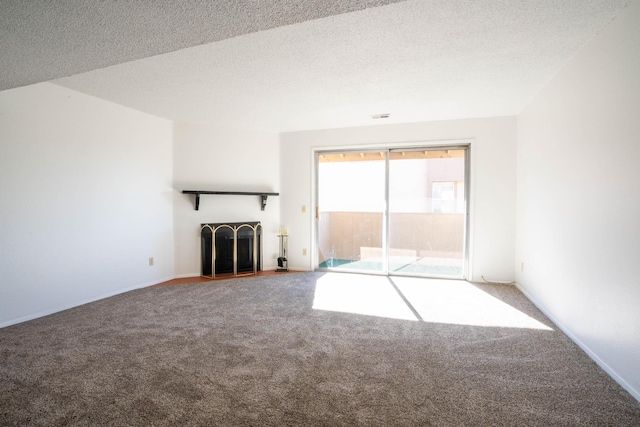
{"points": [[234, 249]]}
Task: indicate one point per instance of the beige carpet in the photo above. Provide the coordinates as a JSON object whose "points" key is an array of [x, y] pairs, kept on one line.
{"points": [[254, 352]]}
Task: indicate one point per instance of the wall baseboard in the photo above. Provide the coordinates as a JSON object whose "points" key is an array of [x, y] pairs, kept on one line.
{"points": [[612, 373], [79, 303]]}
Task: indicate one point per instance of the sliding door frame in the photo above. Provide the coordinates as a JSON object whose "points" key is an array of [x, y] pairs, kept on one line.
{"points": [[465, 144], [465, 229], [316, 216]]}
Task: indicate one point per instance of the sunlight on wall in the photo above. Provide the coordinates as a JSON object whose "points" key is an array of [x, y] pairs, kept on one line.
{"points": [[437, 301]]}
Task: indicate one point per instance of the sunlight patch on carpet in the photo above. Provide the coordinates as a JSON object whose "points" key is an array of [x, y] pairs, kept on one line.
{"points": [[461, 303], [453, 302], [360, 294]]}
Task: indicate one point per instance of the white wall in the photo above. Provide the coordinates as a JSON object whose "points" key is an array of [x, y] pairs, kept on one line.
{"points": [[223, 159], [493, 183], [85, 200], [578, 214]]}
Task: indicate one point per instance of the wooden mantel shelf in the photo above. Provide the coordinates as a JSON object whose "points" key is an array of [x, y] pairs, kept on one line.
{"points": [[262, 194]]}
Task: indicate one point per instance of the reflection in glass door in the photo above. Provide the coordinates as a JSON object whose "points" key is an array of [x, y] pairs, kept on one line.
{"points": [[393, 211], [351, 211], [427, 212]]}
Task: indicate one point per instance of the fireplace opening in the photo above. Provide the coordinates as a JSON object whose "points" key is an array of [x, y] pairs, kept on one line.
{"points": [[231, 248]]}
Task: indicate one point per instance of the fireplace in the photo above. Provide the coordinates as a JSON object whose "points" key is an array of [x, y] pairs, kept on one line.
{"points": [[230, 248]]}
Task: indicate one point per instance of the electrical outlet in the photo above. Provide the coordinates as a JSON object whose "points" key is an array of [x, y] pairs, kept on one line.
{"points": [[150, 261], [304, 209], [304, 252], [522, 267]]}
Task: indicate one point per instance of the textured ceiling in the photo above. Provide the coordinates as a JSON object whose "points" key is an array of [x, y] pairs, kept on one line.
{"points": [[45, 39], [283, 66]]}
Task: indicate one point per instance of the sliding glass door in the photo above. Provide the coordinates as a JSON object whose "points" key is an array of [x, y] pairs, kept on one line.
{"points": [[351, 211], [395, 211], [427, 212]]}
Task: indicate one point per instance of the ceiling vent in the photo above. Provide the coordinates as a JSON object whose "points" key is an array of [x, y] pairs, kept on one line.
{"points": [[381, 116]]}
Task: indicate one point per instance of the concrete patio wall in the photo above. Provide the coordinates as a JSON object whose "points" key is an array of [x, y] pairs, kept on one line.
{"points": [[345, 235]]}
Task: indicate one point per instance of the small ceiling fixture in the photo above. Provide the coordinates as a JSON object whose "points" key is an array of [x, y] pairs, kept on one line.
{"points": [[381, 116]]}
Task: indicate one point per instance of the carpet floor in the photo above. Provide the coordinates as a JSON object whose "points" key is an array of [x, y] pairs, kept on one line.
{"points": [[265, 351]]}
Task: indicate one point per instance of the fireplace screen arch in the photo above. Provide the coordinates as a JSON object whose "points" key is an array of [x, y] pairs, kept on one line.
{"points": [[230, 248]]}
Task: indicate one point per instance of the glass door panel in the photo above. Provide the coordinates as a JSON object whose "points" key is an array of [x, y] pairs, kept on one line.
{"points": [[427, 212], [351, 211]]}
